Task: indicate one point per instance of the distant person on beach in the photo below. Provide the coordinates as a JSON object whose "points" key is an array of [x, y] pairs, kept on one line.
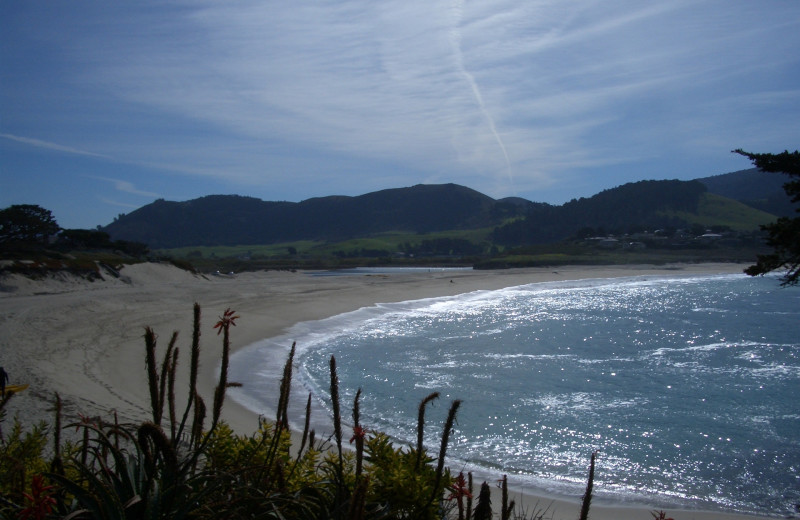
{"points": [[3, 381]]}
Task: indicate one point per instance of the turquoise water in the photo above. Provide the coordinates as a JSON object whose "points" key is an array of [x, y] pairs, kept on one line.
{"points": [[689, 387]]}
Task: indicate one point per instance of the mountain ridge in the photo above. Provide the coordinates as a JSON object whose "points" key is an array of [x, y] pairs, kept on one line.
{"points": [[426, 208]]}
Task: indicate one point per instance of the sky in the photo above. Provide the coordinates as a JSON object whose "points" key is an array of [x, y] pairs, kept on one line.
{"points": [[107, 106]]}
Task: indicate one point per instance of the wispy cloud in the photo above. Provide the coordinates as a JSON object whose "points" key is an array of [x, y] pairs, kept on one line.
{"points": [[354, 95], [116, 203], [38, 143], [126, 187], [455, 37]]}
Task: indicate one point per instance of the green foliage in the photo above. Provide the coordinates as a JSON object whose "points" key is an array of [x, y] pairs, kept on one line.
{"points": [[141, 477], [388, 243], [397, 484], [783, 235], [581, 254], [26, 223], [393, 486], [86, 238], [641, 205], [90, 239], [234, 220], [715, 210], [263, 459], [756, 188], [21, 457]]}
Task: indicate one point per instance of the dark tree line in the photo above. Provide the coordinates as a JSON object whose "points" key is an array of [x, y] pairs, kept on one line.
{"points": [[26, 226], [27, 223], [628, 208], [443, 247], [429, 247], [235, 220], [783, 235]]}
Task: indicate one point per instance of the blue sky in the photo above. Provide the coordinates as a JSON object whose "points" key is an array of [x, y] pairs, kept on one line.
{"points": [[106, 106]]}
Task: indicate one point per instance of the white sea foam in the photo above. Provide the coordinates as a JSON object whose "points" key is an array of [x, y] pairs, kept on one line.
{"points": [[659, 374]]}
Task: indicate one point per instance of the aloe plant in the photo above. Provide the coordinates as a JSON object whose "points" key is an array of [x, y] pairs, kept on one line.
{"points": [[142, 479]]}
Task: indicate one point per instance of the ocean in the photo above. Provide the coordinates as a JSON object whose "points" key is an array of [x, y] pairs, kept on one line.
{"points": [[688, 387]]}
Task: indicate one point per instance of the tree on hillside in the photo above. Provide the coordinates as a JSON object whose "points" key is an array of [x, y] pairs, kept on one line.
{"points": [[86, 238], [783, 235], [26, 223]]}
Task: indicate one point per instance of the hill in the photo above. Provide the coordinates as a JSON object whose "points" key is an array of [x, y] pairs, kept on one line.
{"points": [[230, 220], [755, 188], [632, 208], [644, 222], [236, 220]]}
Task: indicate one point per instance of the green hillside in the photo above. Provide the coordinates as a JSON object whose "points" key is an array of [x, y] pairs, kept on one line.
{"points": [[718, 211], [451, 224], [230, 220], [393, 243]]}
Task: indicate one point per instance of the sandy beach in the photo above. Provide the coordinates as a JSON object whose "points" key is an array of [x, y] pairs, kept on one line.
{"points": [[83, 340]]}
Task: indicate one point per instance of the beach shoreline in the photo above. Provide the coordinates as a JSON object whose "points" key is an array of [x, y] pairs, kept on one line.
{"points": [[83, 339]]}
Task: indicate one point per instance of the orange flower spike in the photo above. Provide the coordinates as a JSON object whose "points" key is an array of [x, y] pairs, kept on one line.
{"points": [[84, 420], [358, 433], [459, 488], [227, 319], [41, 502]]}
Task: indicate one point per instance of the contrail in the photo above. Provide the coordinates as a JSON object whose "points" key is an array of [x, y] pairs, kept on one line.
{"points": [[457, 6], [51, 146]]}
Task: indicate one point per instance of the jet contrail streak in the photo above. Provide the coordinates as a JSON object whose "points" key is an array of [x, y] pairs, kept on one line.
{"points": [[455, 41]]}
